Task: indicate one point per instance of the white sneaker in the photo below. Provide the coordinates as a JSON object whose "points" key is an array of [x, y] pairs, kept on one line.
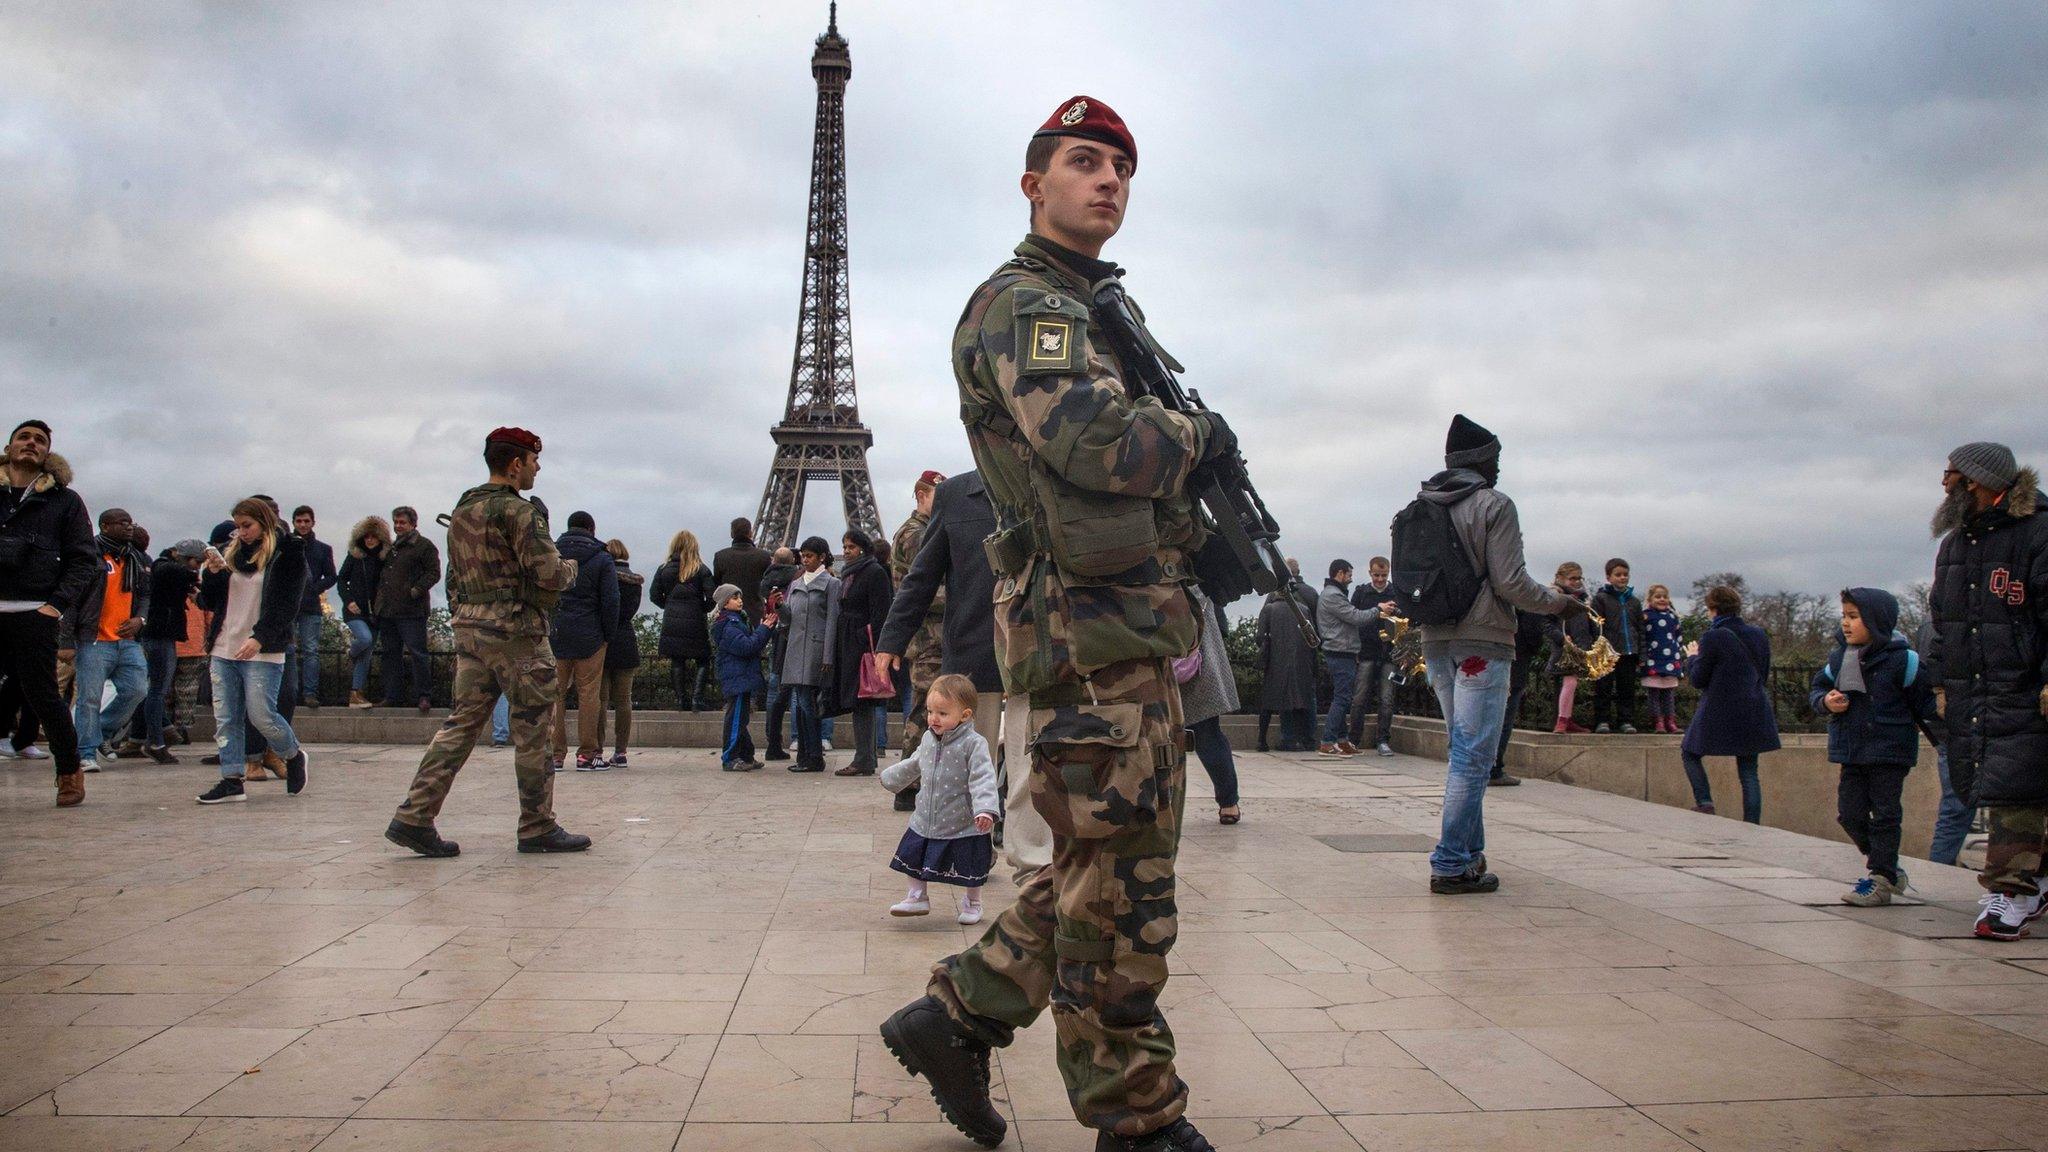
{"points": [[825, 744], [2006, 917], [1873, 891], [1386, 749], [88, 765], [909, 907], [33, 753], [970, 913]]}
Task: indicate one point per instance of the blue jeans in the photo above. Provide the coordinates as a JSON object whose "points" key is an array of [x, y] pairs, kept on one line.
{"points": [[1745, 771], [803, 708], [501, 720], [1952, 821], [361, 638], [98, 661], [1343, 677], [246, 691], [162, 658], [309, 654], [1472, 690], [1212, 748]]}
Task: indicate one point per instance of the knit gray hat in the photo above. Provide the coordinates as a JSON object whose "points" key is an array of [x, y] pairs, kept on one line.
{"points": [[725, 592], [1989, 464]]}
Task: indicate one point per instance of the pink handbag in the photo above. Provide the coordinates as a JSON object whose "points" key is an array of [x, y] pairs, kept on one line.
{"points": [[1186, 668], [874, 685]]}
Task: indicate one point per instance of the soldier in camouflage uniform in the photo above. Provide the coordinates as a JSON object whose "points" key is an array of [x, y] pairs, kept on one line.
{"points": [[921, 655], [1095, 536], [504, 576]]}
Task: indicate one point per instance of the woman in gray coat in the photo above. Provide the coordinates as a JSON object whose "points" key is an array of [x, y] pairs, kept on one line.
{"points": [[810, 609], [1205, 700]]}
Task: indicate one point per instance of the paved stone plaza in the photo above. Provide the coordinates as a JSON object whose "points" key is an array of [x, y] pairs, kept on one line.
{"points": [[274, 976]]}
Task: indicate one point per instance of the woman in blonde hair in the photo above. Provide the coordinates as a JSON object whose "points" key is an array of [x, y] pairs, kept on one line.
{"points": [[682, 588], [253, 591]]}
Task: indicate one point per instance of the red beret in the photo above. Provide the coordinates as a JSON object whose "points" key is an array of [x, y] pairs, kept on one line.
{"points": [[931, 479], [1091, 119], [517, 437]]}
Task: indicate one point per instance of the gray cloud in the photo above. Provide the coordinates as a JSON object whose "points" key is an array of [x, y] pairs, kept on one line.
{"points": [[1727, 280]]}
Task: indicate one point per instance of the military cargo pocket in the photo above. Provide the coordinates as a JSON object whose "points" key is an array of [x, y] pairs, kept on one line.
{"points": [[1095, 533], [1090, 777]]}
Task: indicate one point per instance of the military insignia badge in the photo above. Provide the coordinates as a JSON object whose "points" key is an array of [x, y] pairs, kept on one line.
{"points": [[1075, 114], [1051, 346]]}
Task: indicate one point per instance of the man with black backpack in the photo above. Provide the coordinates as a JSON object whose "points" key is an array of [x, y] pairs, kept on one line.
{"points": [[1459, 572]]}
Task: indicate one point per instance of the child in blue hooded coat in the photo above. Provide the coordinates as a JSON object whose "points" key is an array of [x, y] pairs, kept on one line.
{"points": [[738, 644], [1876, 702]]}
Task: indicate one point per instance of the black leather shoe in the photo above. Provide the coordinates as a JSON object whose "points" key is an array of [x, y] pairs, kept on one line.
{"points": [[1179, 1136], [926, 1041], [424, 841], [1475, 881], [556, 839], [803, 765], [1503, 780]]}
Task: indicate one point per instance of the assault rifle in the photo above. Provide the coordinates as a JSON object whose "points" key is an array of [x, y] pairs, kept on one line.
{"points": [[1242, 554]]}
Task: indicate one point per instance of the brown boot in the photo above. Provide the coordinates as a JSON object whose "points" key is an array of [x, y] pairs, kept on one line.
{"points": [[357, 700], [71, 790]]}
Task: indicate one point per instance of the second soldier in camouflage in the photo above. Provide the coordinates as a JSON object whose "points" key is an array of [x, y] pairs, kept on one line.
{"points": [[504, 576]]}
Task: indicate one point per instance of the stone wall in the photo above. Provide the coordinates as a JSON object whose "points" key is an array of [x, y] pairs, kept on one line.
{"points": [[1798, 782]]}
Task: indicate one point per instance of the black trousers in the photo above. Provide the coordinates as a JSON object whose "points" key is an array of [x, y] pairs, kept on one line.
{"points": [[1614, 695], [405, 655], [28, 658], [1868, 806], [688, 687]]}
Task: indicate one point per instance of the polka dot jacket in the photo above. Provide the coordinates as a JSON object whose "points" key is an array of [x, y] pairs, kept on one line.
{"points": [[956, 778]]}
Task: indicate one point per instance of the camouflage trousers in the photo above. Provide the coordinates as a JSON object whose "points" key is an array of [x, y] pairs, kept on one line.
{"points": [[921, 655], [1089, 933], [487, 663], [2013, 861]]}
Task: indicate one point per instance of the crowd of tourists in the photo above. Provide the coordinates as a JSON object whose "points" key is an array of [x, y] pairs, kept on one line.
{"points": [[113, 651]]}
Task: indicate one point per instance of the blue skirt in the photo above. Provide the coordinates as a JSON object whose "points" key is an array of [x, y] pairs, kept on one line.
{"points": [[965, 862]]}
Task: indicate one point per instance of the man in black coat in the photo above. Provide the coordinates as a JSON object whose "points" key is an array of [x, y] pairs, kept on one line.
{"points": [[412, 566], [952, 555], [742, 565], [47, 561], [320, 576], [1990, 607], [584, 624]]}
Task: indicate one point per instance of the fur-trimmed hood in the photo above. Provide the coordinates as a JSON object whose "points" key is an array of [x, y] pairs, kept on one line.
{"points": [[363, 528], [2021, 501], [56, 473]]}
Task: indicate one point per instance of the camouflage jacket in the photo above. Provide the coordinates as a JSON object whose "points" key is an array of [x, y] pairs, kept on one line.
{"points": [[1095, 529], [503, 571], [902, 550]]}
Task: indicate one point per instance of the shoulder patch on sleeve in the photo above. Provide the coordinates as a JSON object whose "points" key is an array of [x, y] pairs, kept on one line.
{"points": [[1050, 328]]}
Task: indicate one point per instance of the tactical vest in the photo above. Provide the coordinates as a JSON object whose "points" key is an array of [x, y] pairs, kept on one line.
{"points": [[1084, 579], [1095, 538], [500, 578]]}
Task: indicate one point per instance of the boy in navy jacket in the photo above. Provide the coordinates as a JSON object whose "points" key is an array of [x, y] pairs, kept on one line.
{"points": [[1877, 702]]}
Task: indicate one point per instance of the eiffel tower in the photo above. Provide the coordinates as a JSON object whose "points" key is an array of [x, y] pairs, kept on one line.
{"points": [[821, 436]]}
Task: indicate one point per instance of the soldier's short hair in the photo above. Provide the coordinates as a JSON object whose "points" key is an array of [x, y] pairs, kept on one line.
{"points": [[957, 688], [405, 512], [1038, 153], [499, 455]]}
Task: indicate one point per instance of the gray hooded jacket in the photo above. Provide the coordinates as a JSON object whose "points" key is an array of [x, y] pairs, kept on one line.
{"points": [[1491, 531]]}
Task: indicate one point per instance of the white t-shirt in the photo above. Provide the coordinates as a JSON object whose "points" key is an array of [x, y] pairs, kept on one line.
{"points": [[238, 622]]}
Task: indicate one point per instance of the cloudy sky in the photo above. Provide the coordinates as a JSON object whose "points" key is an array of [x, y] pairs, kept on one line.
{"points": [[1727, 279]]}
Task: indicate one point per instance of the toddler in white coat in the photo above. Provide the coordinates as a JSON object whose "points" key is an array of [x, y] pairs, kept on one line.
{"points": [[948, 839]]}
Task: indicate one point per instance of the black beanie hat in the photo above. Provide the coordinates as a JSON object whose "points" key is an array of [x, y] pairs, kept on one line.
{"points": [[1469, 443]]}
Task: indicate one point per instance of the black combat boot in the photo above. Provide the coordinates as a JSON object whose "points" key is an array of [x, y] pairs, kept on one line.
{"points": [[424, 841], [927, 1042], [1179, 1136], [556, 839]]}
